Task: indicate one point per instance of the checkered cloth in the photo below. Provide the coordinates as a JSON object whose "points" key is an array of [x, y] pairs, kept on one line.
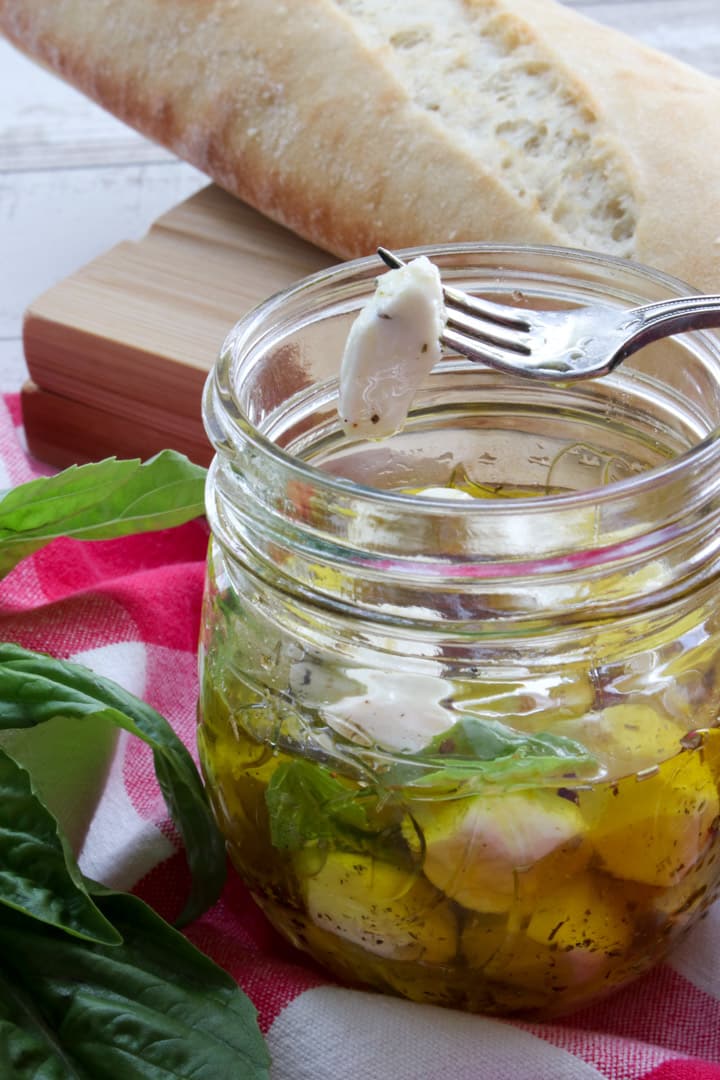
{"points": [[129, 609]]}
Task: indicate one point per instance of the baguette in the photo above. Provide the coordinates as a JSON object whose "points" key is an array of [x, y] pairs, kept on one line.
{"points": [[363, 122]]}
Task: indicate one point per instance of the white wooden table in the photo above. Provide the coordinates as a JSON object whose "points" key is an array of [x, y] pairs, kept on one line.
{"points": [[74, 181]]}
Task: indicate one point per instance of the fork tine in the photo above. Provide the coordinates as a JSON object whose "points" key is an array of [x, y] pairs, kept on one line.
{"points": [[486, 309], [482, 331], [498, 314], [476, 349], [390, 259]]}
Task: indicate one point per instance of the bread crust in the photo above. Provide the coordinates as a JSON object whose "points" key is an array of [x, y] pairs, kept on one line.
{"points": [[298, 110]]}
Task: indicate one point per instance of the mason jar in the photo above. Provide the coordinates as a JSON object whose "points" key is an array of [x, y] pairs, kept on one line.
{"points": [[465, 749]]}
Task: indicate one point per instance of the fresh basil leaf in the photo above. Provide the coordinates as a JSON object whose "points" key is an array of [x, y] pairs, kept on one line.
{"points": [[35, 688], [306, 804], [28, 1049], [507, 772], [99, 501], [38, 872], [476, 752], [152, 1007], [479, 739]]}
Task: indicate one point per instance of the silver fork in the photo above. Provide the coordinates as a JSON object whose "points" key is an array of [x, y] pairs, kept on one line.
{"points": [[581, 343]]}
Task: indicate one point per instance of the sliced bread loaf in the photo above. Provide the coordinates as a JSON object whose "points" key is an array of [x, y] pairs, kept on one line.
{"points": [[359, 122]]}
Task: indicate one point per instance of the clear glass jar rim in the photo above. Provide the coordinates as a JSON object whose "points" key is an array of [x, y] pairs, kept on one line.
{"points": [[701, 455]]}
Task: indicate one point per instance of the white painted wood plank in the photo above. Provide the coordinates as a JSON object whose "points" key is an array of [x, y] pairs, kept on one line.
{"points": [[13, 369], [687, 29], [53, 222]]}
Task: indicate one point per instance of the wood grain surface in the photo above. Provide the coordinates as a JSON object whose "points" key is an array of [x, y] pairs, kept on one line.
{"points": [[74, 182], [130, 337]]}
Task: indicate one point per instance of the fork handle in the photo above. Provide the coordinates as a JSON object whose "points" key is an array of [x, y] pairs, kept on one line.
{"points": [[653, 321]]}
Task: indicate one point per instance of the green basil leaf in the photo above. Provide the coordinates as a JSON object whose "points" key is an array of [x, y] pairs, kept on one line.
{"points": [[476, 752], [474, 778], [152, 1007], [27, 1048], [479, 739], [38, 872], [35, 688], [306, 804], [99, 501]]}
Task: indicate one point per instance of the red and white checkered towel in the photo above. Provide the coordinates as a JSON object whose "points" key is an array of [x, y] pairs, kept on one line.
{"points": [[129, 609]]}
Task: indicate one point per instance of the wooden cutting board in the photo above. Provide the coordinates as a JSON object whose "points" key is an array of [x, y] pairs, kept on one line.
{"points": [[118, 353]]}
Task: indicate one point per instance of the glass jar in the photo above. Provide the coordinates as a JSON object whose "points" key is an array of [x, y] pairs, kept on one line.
{"points": [[465, 750]]}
